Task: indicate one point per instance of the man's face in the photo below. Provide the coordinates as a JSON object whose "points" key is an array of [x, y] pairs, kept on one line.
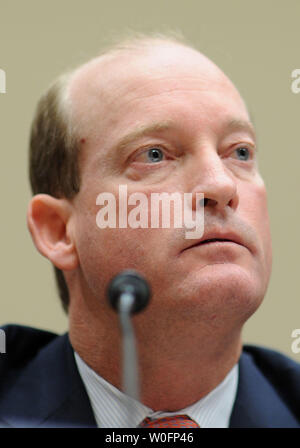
{"points": [[170, 121]]}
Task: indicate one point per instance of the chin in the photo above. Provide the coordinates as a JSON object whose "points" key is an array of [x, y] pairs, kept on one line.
{"points": [[229, 292]]}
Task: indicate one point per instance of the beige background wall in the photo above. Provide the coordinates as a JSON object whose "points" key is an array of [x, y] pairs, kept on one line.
{"points": [[256, 43]]}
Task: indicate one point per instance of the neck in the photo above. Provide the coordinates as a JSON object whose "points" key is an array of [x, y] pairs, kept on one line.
{"points": [[178, 364]]}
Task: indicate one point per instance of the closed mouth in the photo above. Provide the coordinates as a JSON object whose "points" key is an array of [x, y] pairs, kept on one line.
{"points": [[213, 240]]}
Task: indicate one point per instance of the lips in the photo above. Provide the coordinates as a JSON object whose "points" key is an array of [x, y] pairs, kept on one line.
{"points": [[212, 240], [217, 236]]}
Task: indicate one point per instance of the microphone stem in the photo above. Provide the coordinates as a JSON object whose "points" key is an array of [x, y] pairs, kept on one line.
{"points": [[130, 369]]}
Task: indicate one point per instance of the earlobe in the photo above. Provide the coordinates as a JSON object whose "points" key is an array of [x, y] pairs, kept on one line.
{"points": [[48, 220]]}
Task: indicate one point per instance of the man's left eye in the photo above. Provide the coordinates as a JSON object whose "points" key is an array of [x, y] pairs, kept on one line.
{"points": [[243, 153]]}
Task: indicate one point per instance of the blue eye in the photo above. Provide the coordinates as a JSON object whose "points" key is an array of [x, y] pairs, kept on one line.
{"points": [[155, 155], [243, 153]]}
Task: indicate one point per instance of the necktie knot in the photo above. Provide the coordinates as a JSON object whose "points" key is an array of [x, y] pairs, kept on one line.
{"points": [[174, 421]]}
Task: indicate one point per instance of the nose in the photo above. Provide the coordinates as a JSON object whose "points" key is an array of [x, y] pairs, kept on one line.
{"points": [[215, 181]]}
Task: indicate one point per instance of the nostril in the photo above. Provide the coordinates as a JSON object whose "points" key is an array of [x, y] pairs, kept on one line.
{"points": [[203, 202], [207, 201]]}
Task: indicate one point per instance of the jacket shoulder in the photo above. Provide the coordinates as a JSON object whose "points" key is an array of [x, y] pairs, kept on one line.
{"points": [[40, 385], [273, 363], [21, 343], [280, 371]]}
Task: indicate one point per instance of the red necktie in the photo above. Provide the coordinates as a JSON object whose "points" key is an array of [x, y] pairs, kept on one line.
{"points": [[175, 421]]}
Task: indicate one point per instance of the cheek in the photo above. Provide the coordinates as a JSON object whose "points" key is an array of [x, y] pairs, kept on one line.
{"points": [[104, 252], [254, 210]]}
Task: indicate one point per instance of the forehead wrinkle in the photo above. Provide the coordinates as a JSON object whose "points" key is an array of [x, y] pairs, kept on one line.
{"points": [[144, 130], [143, 83]]}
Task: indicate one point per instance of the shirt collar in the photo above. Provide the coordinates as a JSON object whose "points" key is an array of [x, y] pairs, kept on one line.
{"points": [[113, 409]]}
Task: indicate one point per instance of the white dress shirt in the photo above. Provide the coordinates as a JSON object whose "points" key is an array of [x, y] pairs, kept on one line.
{"points": [[113, 409]]}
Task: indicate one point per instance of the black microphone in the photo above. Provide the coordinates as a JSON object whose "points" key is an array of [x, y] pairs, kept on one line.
{"points": [[129, 293], [132, 283]]}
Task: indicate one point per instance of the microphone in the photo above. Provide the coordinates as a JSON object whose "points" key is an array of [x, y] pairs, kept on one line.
{"points": [[129, 293], [129, 283]]}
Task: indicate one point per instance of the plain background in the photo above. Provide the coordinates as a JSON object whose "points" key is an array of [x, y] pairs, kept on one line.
{"points": [[257, 45]]}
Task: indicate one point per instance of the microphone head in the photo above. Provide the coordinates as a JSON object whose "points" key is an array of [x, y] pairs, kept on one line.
{"points": [[130, 282]]}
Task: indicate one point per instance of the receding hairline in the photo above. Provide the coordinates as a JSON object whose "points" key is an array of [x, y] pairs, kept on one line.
{"points": [[138, 46], [132, 45]]}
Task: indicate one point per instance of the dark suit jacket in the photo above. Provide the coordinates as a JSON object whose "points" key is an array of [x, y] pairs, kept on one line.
{"points": [[40, 385]]}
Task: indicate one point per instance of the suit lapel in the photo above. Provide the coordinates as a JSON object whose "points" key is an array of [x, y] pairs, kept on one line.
{"points": [[258, 404], [49, 393]]}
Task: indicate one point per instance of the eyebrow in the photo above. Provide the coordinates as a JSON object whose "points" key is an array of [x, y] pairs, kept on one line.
{"points": [[232, 125], [241, 125], [143, 130]]}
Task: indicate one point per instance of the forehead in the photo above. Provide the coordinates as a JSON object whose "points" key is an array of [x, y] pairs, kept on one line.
{"points": [[127, 88]]}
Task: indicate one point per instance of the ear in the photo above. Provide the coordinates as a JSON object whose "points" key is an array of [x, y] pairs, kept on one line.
{"points": [[49, 223]]}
